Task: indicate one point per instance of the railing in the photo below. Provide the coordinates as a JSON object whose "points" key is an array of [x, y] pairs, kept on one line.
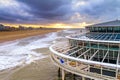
{"points": [[75, 66], [79, 69], [98, 39]]}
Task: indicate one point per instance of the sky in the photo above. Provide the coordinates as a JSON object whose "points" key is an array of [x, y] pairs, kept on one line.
{"points": [[58, 13]]}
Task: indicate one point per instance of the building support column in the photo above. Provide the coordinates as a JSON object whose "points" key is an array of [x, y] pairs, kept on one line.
{"points": [[59, 75], [63, 74], [83, 78], [73, 76]]}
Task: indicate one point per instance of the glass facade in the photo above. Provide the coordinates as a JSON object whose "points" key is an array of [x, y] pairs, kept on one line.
{"points": [[104, 29], [103, 52], [95, 53], [100, 36]]}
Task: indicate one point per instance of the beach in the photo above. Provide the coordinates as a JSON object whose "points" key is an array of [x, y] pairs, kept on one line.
{"points": [[36, 69], [13, 35], [28, 58], [42, 69]]}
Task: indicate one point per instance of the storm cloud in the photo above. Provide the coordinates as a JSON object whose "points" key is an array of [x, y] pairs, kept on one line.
{"points": [[58, 11]]}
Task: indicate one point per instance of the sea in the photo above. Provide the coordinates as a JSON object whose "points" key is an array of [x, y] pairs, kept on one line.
{"points": [[18, 52]]}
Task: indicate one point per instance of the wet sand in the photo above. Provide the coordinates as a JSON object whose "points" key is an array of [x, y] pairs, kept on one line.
{"points": [[42, 69], [13, 35]]}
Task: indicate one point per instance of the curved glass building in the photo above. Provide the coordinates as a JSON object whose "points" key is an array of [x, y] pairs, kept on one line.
{"points": [[93, 55]]}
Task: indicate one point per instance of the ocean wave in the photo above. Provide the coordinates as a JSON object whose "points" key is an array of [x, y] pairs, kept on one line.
{"points": [[13, 54], [20, 51]]}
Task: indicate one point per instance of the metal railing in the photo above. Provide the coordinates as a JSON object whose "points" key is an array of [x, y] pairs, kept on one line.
{"points": [[79, 66], [80, 69]]}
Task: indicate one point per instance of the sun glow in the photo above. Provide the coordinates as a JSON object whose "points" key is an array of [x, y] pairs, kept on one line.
{"points": [[56, 25], [60, 25]]}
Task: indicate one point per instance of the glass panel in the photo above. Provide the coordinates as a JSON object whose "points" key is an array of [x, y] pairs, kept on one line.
{"points": [[113, 46]]}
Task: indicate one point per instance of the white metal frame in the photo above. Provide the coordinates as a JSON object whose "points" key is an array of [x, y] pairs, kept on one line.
{"points": [[94, 54], [93, 40], [105, 56], [84, 53], [83, 60], [76, 51]]}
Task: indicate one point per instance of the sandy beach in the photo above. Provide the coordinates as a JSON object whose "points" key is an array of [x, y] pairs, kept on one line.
{"points": [[42, 69], [13, 35]]}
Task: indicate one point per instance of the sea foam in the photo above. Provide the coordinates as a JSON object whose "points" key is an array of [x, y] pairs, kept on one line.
{"points": [[20, 51]]}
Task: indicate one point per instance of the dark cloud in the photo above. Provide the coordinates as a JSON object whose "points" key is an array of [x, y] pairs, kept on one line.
{"points": [[42, 11], [45, 5], [101, 9], [13, 12], [49, 9], [9, 18], [63, 11]]}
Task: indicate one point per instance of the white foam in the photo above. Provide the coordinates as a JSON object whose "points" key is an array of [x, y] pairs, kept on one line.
{"points": [[69, 31], [15, 53], [12, 54]]}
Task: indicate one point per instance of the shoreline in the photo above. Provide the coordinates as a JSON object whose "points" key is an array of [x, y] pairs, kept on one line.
{"points": [[36, 70], [9, 73], [43, 34], [7, 37], [39, 69]]}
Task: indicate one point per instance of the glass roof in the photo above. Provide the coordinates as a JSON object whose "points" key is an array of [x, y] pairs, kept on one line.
{"points": [[106, 24], [91, 54], [100, 36]]}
